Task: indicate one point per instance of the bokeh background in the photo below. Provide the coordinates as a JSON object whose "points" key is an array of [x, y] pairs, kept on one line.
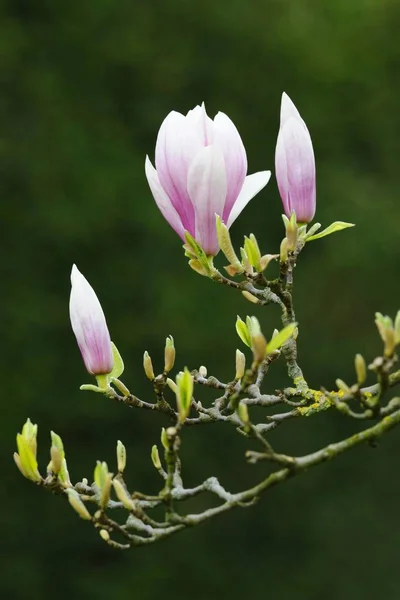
{"points": [[85, 88]]}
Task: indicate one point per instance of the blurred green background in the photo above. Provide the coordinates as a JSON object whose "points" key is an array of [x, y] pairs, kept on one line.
{"points": [[86, 85]]}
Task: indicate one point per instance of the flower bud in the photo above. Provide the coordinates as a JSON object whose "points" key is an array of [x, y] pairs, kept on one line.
{"points": [[89, 326], [295, 164]]}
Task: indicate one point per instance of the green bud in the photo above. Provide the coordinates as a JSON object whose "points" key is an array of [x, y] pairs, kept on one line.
{"points": [[56, 460], [77, 504], [397, 328], [225, 243], [172, 385], [121, 457], [246, 262], [118, 367], [266, 259], [155, 457], [243, 413], [198, 267], [203, 371], [63, 475], [169, 354], [250, 297], [283, 254], [243, 331], [253, 251], [26, 461], [184, 381], [29, 432], [103, 479], [291, 231], [164, 439], [342, 386], [361, 368], [258, 341], [104, 535], [123, 495], [387, 332], [240, 365], [280, 338], [120, 386], [148, 366]]}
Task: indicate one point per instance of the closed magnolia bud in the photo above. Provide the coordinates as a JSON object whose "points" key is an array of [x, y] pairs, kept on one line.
{"points": [[240, 364], [295, 164], [89, 326], [169, 354], [104, 534], [148, 366]]}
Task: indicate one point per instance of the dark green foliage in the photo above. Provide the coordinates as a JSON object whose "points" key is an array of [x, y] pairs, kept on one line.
{"points": [[86, 85]]}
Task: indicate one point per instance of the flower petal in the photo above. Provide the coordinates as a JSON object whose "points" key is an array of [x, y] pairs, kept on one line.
{"points": [[207, 188], [178, 142], [162, 200], [252, 185], [228, 138], [300, 169], [288, 110]]}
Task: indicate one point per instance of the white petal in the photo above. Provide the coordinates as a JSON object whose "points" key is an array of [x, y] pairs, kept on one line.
{"points": [[228, 138], [162, 200], [207, 187], [178, 142], [252, 185]]}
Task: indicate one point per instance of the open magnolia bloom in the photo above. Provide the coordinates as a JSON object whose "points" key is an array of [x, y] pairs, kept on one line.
{"points": [[295, 164], [200, 172]]}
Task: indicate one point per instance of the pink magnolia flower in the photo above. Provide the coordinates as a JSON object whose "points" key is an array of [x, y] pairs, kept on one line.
{"points": [[295, 164], [89, 326], [200, 172]]}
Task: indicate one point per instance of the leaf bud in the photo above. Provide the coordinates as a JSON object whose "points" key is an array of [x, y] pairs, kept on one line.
{"points": [[240, 365], [123, 495], [121, 456], [169, 354], [155, 457], [77, 504], [148, 366], [361, 368]]}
